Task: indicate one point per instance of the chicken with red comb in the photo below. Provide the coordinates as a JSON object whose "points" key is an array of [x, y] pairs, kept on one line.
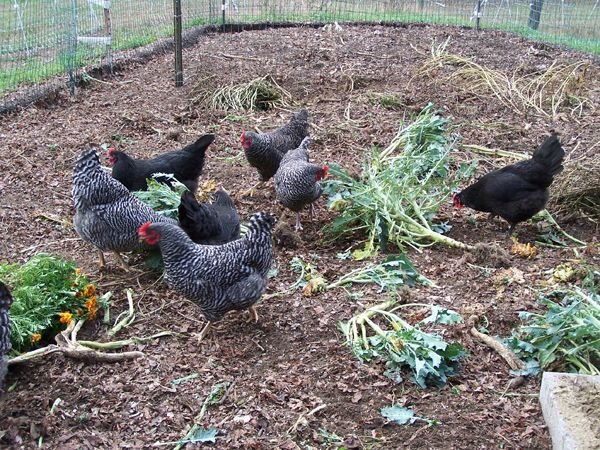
{"points": [[265, 150], [219, 278], [297, 181]]}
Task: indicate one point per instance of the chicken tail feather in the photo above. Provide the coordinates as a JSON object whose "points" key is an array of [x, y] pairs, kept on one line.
{"points": [[550, 155]]}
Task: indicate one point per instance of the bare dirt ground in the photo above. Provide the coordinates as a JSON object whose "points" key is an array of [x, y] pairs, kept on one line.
{"points": [[294, 360]]}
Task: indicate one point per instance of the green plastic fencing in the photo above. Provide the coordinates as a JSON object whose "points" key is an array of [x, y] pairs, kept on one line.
{"points": [[54, 39]]}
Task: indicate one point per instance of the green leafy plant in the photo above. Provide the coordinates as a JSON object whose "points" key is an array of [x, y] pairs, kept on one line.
{"points": [[196, 434], [397, 195], [48, 292], [403, 346], [565, 338], [161, 197]]}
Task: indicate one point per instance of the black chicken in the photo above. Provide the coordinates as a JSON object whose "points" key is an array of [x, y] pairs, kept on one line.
{"points": [[209, 223], [265, 150], [5, 345], [518, 191], [185, 164]]}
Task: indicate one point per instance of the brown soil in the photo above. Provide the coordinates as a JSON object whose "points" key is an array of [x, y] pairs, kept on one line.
{"points": [[294, 360]]}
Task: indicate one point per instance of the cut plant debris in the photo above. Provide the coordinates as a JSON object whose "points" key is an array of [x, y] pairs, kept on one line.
{"points": [[566, 337], [162, 198], [397, 195], [380, 334], [258, 94], [404, 416], [543, 92], [392, 273], [48, 293]]}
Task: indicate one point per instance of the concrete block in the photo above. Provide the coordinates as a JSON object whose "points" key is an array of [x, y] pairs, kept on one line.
{"points": [[571, 408]]}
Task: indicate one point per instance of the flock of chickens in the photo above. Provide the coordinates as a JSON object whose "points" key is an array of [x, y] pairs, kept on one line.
{"points": [[205, 258]]}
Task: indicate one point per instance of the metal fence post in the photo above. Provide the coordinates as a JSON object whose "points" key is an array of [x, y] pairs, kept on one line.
{"points": [[71, 56], [178, 43]]}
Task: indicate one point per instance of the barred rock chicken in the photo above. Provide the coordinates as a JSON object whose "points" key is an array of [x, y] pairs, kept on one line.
{"points": [[518, 191], [297, 180], [185, 164], [106, 214], [219, 278], [265, 150], [5, 346], [209, 223]]}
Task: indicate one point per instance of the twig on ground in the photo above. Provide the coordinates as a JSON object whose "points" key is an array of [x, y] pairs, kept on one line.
{"points": [[303, 417], [506, 353]]}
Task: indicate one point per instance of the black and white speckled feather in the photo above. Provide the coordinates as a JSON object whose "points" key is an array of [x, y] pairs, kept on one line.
{"points": [[5, 345], [106, 214], [296, 180], [267, 149], [219, 278]]}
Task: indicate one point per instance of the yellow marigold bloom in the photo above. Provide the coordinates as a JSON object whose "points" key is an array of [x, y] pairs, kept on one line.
{"points": [[65, 317], [36, 337], [78, 271], [89, 290]]}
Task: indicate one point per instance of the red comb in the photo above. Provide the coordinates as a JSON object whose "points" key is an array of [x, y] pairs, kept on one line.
{"points": [[325, 171], [144, 229]]}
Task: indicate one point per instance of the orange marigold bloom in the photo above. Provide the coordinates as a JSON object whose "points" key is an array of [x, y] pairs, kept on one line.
{"points": [[65, 317], [92, 306], [36, 337], [89, 290]]}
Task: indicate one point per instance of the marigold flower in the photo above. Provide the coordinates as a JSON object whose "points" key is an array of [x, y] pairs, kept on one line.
{"points": [[65, 317], [78, 271], [89, 290], [92, 306], [36, 337]]}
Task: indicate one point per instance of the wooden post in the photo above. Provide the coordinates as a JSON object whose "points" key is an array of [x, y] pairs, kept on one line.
{"points": [[108, 31], [178, 43], [478, 18], [223, 10], [105, 40]]}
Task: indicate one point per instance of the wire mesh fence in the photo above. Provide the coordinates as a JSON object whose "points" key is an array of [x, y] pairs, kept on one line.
{"points": [[42, 39]]}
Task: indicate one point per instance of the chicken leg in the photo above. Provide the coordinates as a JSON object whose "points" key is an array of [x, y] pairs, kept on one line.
{"points": [[298, 224], [204, 331], [253, 314], [121, 261], [101, 261]]}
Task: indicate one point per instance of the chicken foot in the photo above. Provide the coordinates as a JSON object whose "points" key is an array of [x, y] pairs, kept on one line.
{"points": [[101, 261], [298, 224], [253, 314]]}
